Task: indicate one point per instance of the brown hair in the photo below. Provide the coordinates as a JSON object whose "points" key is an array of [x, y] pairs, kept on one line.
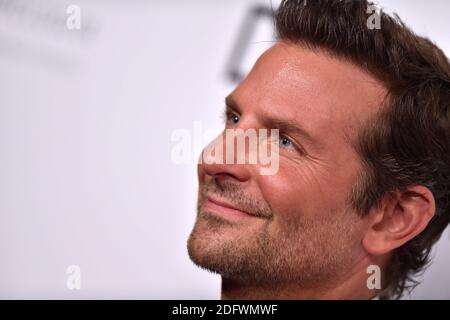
{"points": [[408, 141]]}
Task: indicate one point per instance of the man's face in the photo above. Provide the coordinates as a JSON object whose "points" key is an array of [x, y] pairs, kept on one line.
{"points": [[295, 225]]}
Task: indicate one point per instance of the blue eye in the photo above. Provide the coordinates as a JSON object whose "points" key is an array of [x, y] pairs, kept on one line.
{"points": [[286, 143]]}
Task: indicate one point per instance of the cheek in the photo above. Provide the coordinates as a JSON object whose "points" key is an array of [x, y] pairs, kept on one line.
{"points": [[303, 192]]}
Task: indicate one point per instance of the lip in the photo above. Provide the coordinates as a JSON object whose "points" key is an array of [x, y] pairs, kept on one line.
{"points": [[224, 208]]}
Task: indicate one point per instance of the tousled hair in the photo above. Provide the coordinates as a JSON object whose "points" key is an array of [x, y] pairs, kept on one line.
{"points": [[407, 142]]}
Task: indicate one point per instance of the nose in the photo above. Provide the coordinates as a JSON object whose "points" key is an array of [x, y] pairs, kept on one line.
{"points": [[215, 161]]}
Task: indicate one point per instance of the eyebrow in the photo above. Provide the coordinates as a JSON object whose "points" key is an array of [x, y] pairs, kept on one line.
{"points": [[284, 125], [232, 104]]}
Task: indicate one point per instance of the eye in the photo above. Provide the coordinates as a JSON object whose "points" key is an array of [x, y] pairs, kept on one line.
{"points": [[232, 118], [286, 143]]}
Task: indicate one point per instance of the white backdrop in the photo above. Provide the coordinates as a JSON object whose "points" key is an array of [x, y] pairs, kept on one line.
{"points": [[86, 118]]}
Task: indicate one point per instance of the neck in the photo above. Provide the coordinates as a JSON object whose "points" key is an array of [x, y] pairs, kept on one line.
{"points": [[352, 286]]}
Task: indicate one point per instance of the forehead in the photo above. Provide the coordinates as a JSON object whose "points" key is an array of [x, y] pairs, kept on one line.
{"points": [[330, 98]]}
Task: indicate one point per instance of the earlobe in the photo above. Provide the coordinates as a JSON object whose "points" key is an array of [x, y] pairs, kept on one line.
{"points": [[403, 216]]}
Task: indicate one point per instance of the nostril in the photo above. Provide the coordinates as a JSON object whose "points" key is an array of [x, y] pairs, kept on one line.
{"points": [[224, 175]]}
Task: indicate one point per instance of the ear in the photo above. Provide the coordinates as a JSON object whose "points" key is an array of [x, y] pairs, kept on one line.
{"points": [[401, 216]]}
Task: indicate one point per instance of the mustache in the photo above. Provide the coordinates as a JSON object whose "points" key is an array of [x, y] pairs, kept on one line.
{"points": [[235, 194]]}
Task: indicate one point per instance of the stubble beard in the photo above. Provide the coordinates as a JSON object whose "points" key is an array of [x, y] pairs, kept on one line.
{"points": [[299, 250]]}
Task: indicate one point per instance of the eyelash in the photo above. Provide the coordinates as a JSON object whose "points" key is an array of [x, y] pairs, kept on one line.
{"points": [[228, 115]]}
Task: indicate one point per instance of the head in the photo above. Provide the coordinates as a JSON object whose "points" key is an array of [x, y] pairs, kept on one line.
{"points": [[364, 156]]}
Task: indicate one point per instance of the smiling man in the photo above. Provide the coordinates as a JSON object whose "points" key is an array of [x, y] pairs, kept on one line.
{"points": [[364, 161]]}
